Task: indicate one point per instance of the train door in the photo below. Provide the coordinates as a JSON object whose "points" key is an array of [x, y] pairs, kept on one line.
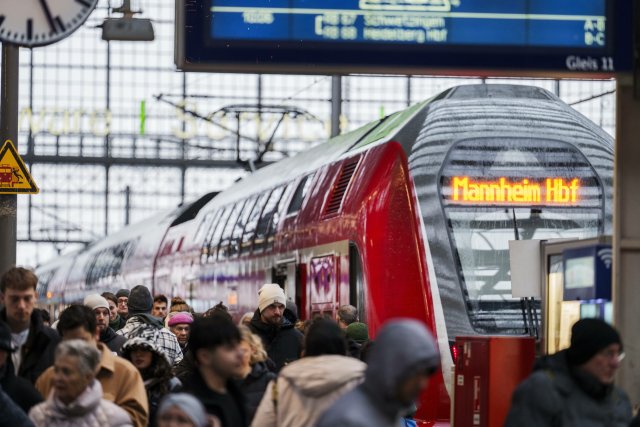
{"points": [[356, 282], [290, 276], [323, 277]]}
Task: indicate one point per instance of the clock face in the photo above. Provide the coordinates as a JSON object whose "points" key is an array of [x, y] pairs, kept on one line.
{"points": [[40, 22]]}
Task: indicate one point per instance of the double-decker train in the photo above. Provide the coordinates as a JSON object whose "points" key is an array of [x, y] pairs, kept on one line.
{"points": [[408, 216]]}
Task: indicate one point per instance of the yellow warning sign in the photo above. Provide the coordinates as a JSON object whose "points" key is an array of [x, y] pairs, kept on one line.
{"points": [[14, 176]]}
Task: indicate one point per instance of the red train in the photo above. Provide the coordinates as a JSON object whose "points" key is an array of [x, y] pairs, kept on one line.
{"points": [[407, 216]]}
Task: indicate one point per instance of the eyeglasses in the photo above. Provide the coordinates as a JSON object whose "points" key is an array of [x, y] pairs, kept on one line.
{"points": [[613, 355]]}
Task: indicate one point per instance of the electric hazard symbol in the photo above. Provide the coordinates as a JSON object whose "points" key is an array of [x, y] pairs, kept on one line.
{"points": [[14, 175]]}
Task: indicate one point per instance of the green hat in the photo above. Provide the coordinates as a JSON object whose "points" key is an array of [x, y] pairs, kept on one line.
{"points": [[359, 332]]}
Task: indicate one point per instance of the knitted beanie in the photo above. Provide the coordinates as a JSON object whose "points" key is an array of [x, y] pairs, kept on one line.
{"points": [[181, 317], [270, 293], [122, 293], [94, 301], [588, 337], [140, 300], [189, 405], [359, 332]]}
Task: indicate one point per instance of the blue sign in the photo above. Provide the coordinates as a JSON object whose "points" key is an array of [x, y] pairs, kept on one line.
{"points": [[405, 35], [587, 273]]}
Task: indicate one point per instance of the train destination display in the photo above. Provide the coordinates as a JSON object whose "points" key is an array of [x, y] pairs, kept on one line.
{"points": [[376, 35]]}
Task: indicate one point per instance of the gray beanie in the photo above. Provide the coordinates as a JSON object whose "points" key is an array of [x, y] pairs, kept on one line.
{"points": [[191, 407], [122, 293], [140, 300]]}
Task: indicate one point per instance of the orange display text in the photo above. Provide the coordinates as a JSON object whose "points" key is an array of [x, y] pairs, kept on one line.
{"points": [[552, 191]]}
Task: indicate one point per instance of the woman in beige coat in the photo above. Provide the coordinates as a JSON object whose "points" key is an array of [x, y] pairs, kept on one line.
{"points": [[76, 399], [305, 388]]}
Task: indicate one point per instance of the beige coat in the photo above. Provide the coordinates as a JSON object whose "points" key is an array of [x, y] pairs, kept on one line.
{"points": [[306, 388], [121, 384]]}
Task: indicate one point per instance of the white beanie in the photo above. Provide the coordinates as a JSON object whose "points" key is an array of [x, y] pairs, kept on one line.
{"points": [[94, 301], [270, 293]]}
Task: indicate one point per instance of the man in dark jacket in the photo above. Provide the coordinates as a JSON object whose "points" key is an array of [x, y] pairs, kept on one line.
{"points": [[574, 387], [400, 364], [281, 339], [108, 336], [33, 342], [21, 391], [215, 344]]}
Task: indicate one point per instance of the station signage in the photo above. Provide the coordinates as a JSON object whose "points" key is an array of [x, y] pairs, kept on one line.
{"points": [[552, 191], [405, 36]]}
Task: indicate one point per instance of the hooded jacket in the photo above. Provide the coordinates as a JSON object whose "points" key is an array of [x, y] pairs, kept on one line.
{"points": [[152, 329], [37, 352], [402, 347], [112, 340], [89, 410], [556, 394], [306, 388], [11, 414], [283, 342]]}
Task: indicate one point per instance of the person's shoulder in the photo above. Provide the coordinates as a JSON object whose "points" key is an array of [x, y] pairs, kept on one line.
{"points": [[123, 366], [351, 410], [117, 416]]}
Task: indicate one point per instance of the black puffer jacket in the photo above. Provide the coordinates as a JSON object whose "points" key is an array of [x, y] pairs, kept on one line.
{"points": [[38, 350], [21, 391], [283, 343], [254, 386]]}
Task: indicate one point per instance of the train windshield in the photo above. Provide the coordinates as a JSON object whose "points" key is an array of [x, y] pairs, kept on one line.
{"points": [[496, 191]]}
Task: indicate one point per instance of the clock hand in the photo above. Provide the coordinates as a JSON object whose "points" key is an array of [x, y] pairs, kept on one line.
{"points": [[47, 12]]}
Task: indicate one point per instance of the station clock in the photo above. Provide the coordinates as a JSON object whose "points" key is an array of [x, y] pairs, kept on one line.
{"points": [[32, 23]]}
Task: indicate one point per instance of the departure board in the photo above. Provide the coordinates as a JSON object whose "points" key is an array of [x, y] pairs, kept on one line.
{"points": [[579, 36]]}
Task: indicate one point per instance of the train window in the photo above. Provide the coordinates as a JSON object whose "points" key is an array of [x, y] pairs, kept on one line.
{"points": [[107, 263], [299, 195], [227, 232], [217, 234], [356, 282], [236, 235], [205, 233], [252, 223], [268, 213], [497, 191]]}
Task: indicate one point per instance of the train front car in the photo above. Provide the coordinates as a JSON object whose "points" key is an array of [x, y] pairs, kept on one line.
{"points": [[494, 163]]}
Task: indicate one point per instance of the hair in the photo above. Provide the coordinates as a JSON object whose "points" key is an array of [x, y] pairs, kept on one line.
{"points": [[87, 354], [76, 316], [348, 314], [110, 297], [212, 332], [44, 314], [19, 279], [324, 336], [258, 353], [188, 404], [247, 315], [159, 372], [218, 310], [161, 298], [178, 304]]}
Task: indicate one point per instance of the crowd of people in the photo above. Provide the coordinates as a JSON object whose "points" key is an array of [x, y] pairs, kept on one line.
{"points": [[131, 359]]}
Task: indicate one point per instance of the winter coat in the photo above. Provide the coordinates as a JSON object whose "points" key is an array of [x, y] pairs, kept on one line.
{"points": [[21, 391], [283, 343], [556, 394], [151, 328], [112, 340], [212, 402], [306, 388], [121, 383], [155, 395], [254, 386], [186, 367], [88, 410], [401, 347], [37, 352], [11, 414]]}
